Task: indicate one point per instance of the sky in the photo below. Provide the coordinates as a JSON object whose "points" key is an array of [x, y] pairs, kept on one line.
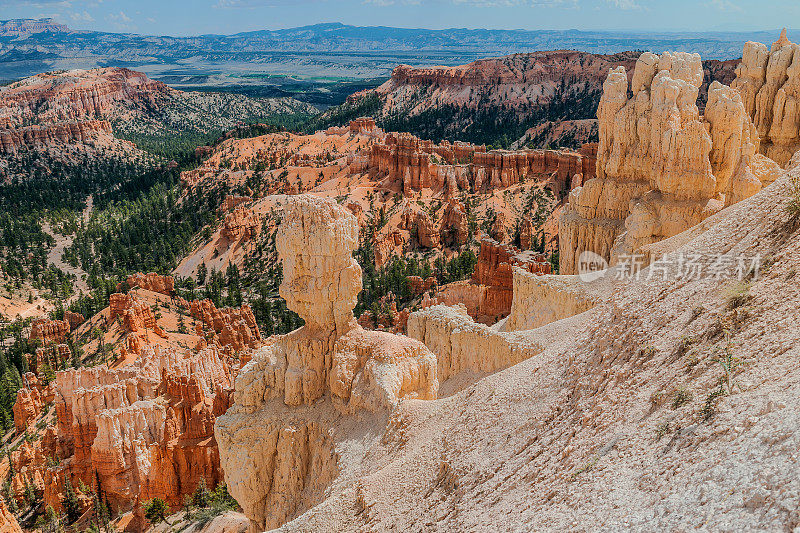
{"points": [[195, 17]]}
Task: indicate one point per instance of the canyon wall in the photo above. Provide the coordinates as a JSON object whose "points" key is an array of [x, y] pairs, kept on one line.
{"points": [[414, 164], [39, 136]]}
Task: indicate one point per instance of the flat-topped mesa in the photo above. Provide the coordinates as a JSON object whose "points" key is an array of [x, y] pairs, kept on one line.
{"points": [[769, 81], [661, 167], [278, 458]]}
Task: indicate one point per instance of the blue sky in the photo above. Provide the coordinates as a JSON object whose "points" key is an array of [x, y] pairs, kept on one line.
{"points": [[193, 17]]}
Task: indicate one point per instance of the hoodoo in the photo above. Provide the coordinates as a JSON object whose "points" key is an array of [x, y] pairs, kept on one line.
{"points": [[661, 167], [292, 401]]}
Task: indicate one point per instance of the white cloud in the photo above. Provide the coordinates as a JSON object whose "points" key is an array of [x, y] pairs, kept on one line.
{"points": [[81, 17], [625, 4], [724, 5]]}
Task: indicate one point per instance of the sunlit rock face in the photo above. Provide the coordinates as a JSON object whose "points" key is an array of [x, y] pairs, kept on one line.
{"points": [[279, 440], [661, 166], [768, 80]]}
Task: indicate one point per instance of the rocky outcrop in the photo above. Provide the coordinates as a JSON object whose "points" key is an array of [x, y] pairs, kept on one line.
{"points": [[540, 300], [386, 245], [230, 328], [145, 430], [241, 225], [39, 136], [27, 408], [54, 356], [413, 164], [151, 282], [72, 96], [136, 316], [363, 125], [8, 523], [661, 167], [462, 345], [419, 285], [768, 80], [49, 331], [74, 319], [455, 225], [277, 441], [494, 270]]}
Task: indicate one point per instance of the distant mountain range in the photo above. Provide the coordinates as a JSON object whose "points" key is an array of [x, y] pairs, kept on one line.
{"points": [[315, 57]]}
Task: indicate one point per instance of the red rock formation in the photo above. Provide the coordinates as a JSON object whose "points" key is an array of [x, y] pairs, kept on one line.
{"points": [[231, 201], [415, 164], [385, 246], [151, 282], [499, 230], [76, 95], [362, 125], [11, 140], [54, 356], [494, 270], [8, 523], [419, 285], [74, 319], [146, 430], [455, 226], [136, 316], [241, 225], [26, 409], [233, 328], [420, 222], [49, 331]]}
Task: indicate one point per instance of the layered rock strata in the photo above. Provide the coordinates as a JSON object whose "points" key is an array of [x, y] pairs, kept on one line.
{"points": [[152, 282], [415, 164], [49, 331]]}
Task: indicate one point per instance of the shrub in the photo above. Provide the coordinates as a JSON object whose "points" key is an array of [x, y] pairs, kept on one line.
{"points": [[737, 295], [681, 397]]}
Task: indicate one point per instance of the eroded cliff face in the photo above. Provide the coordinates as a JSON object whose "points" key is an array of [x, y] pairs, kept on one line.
{"points": [[769, 81], [279, 441], [141, 431], [661, 167], [415, 164]]}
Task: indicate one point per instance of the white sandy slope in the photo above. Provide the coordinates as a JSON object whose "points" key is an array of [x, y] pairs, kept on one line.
{"points": [[570, 440]]}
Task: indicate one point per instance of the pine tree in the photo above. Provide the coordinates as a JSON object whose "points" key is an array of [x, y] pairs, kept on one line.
{"points": [[70, 502]]}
